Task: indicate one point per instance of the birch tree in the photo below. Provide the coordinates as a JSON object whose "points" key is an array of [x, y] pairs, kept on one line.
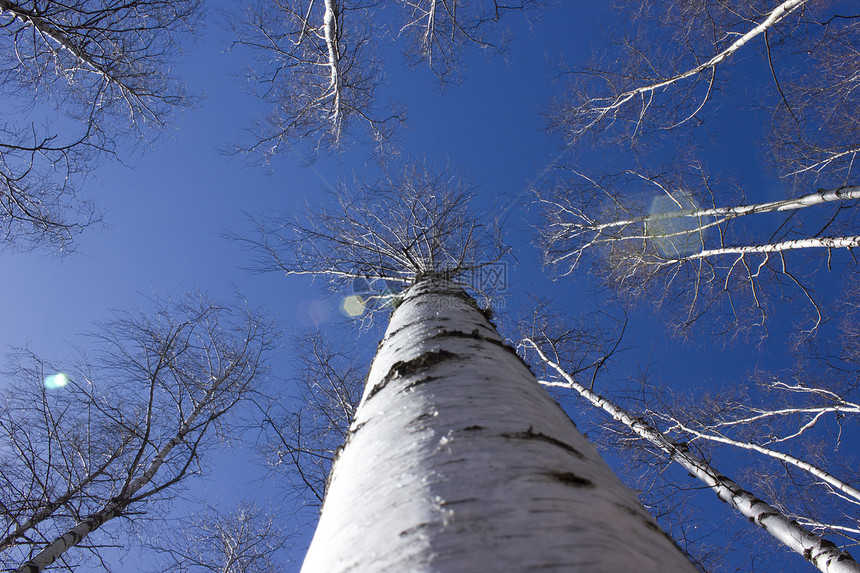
{"points": [[784, 528], [790, 426], [124, 430], [457, 459], [318, 68], [438, 31], [669, 61], [651, 88], [79, 80], [674, 242], [244, 539]]}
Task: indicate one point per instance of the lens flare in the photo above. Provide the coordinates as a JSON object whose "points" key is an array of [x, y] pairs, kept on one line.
{"points": [[675, 236], [353, 306], [55, 381]]}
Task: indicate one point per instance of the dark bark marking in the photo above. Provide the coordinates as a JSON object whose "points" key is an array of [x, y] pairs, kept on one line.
{"points": [[571, 479], [444, 503], [762, 516], [418, 423], [403, 368], [408, 367], [476, 335], [823, 545], [473, 428], [530, 434], [844, 556], [419, 382], [414, 529], [422, 417]]}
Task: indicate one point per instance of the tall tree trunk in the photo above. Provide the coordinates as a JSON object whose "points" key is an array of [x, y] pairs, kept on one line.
{"points": [[458, 460], [823, 554]]}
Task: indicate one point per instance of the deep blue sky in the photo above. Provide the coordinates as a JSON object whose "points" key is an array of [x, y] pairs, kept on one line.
{"points": [[167, 210]]}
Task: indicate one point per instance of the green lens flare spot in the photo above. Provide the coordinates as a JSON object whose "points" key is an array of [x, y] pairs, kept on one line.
{"points": [[353, 306], [55, 381]]}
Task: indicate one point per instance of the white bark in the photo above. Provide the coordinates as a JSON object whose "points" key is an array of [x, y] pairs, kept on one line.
{"points": [[814, 470], [647, 92], [50, 32], [331, 34], [114, 507], [49, 508], [459, 461], [810, 243], [820, 552], [721, 214]]}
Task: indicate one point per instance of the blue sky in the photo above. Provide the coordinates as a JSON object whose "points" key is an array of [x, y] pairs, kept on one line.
{"points": [[167, 210]]}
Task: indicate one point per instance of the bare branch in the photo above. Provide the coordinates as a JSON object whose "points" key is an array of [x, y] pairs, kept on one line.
{"points": [[126, 429], [823, 554], [107, 67], [688, 251], [400, 227], [316, 67]]}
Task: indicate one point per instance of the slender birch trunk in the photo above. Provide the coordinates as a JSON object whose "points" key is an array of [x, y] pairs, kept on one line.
{"points": [[46, 30], [810, 243], [823, 554], [718, 214], [51, 507], [458, 460], [115, 507], [331, 34]]}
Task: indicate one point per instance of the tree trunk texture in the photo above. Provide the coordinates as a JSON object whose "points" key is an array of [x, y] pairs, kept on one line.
{"points": [[458, 460], [823, 554]]}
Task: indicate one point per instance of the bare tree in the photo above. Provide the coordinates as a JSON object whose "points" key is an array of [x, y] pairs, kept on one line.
{"points": [[815, 125], [673, 241], [670, 60], [106, 67], [400, 227], [316, 63], [244, 539], [822, 553], [438, 31], [790, 427], [456, 459], [316, 67], [630, 92], [300, 440], [125, 429]]}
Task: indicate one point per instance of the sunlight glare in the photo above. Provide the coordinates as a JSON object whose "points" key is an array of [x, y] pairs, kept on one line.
{"points": [[55, 381], [352, 306], [675, 236]]}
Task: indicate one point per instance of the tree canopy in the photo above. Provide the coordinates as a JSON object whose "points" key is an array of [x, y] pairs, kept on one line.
{"points": [[654, 202]]}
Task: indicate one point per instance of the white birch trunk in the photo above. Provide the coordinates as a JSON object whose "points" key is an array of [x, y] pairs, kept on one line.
{"points": [[810, 243], [51, 507], [48, 31], [458, 460], [721, 214], [56, 35], [114, 507], [825, 555], [647, 92], [330, 32]]}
